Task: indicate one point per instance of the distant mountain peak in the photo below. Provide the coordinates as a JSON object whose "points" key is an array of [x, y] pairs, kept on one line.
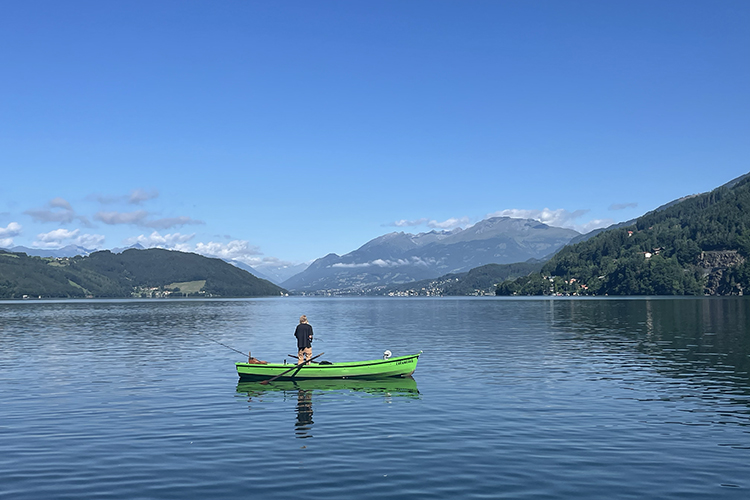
{"points": [[135, 246], [400, 257], [66, 251]]}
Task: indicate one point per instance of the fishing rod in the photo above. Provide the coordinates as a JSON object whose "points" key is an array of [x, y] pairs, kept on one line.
{"points": [[232, 348]]}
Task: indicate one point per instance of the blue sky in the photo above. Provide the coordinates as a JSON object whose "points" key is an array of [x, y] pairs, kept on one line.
{"points": [[278, 132]]}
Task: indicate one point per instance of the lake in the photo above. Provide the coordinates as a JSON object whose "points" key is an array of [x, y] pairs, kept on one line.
{"points": [[512, 398]]}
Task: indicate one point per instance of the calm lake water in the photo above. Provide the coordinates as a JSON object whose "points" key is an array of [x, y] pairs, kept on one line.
{"points": [[512, 398]]}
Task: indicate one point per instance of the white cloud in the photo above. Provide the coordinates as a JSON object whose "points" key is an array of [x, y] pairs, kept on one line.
{"points": [[90, 241], [341, 265], [410, 223], [557, 218], [594, 224], [7, 234], [61, 237], [174, 241], [383, 263], [11, 230], [451, 223], [56, 236], [389, 263], [239, 250]]}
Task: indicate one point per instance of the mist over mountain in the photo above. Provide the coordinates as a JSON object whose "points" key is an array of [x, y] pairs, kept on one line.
{"points": [[400, 257], [247, 268], [275, 273], [278, 273]]}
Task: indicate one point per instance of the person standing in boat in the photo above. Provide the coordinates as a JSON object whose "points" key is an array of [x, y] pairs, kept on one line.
{"points": [[304, 334]]}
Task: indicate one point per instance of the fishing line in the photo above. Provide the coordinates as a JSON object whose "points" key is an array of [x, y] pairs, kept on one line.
{"points": [[214, 340]]}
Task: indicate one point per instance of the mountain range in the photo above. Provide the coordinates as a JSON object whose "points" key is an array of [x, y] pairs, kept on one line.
{"points": [[699, 244], [66, 251], [397, 257], [400, 257]]}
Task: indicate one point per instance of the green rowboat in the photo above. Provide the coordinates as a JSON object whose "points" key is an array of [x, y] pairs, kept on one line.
{"points": [[401, 366]]}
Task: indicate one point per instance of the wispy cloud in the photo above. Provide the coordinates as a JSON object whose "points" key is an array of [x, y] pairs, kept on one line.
{"points": [[61, 237], [170, 222], [60, 203], [451, 223], [56, 210], [135, 197], [622, 206], [141, 218], [56, 236], [384, 263], [114, 218], [138, 196]]}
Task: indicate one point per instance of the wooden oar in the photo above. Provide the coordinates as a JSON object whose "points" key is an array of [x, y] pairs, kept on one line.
{"points": [[298, 365]]}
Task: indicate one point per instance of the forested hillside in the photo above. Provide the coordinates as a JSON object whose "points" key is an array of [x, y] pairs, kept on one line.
{"points": [[132, 273], [698, 246]]}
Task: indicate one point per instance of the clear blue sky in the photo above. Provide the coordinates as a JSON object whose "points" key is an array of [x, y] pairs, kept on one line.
{"points": [[288, 130]]}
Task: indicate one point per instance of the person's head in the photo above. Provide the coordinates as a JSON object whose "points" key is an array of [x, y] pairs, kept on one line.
{"points": [[303, 319]]}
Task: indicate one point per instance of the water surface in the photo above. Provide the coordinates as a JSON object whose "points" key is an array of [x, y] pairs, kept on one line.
{"points": [[512, 398]]}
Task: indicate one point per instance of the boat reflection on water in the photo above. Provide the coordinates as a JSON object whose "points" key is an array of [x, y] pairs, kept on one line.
{"points": [[391, 386], [303, 390], [304, 414]]}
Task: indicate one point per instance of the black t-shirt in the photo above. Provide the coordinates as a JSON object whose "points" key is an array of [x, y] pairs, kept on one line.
{"points": [[304, 333]]}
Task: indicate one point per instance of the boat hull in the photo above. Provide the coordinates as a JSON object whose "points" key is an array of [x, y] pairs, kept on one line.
{"points": [[401, 366]]}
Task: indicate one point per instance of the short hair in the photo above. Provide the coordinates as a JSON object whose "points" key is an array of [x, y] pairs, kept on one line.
{"points": [[303, 319]]}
